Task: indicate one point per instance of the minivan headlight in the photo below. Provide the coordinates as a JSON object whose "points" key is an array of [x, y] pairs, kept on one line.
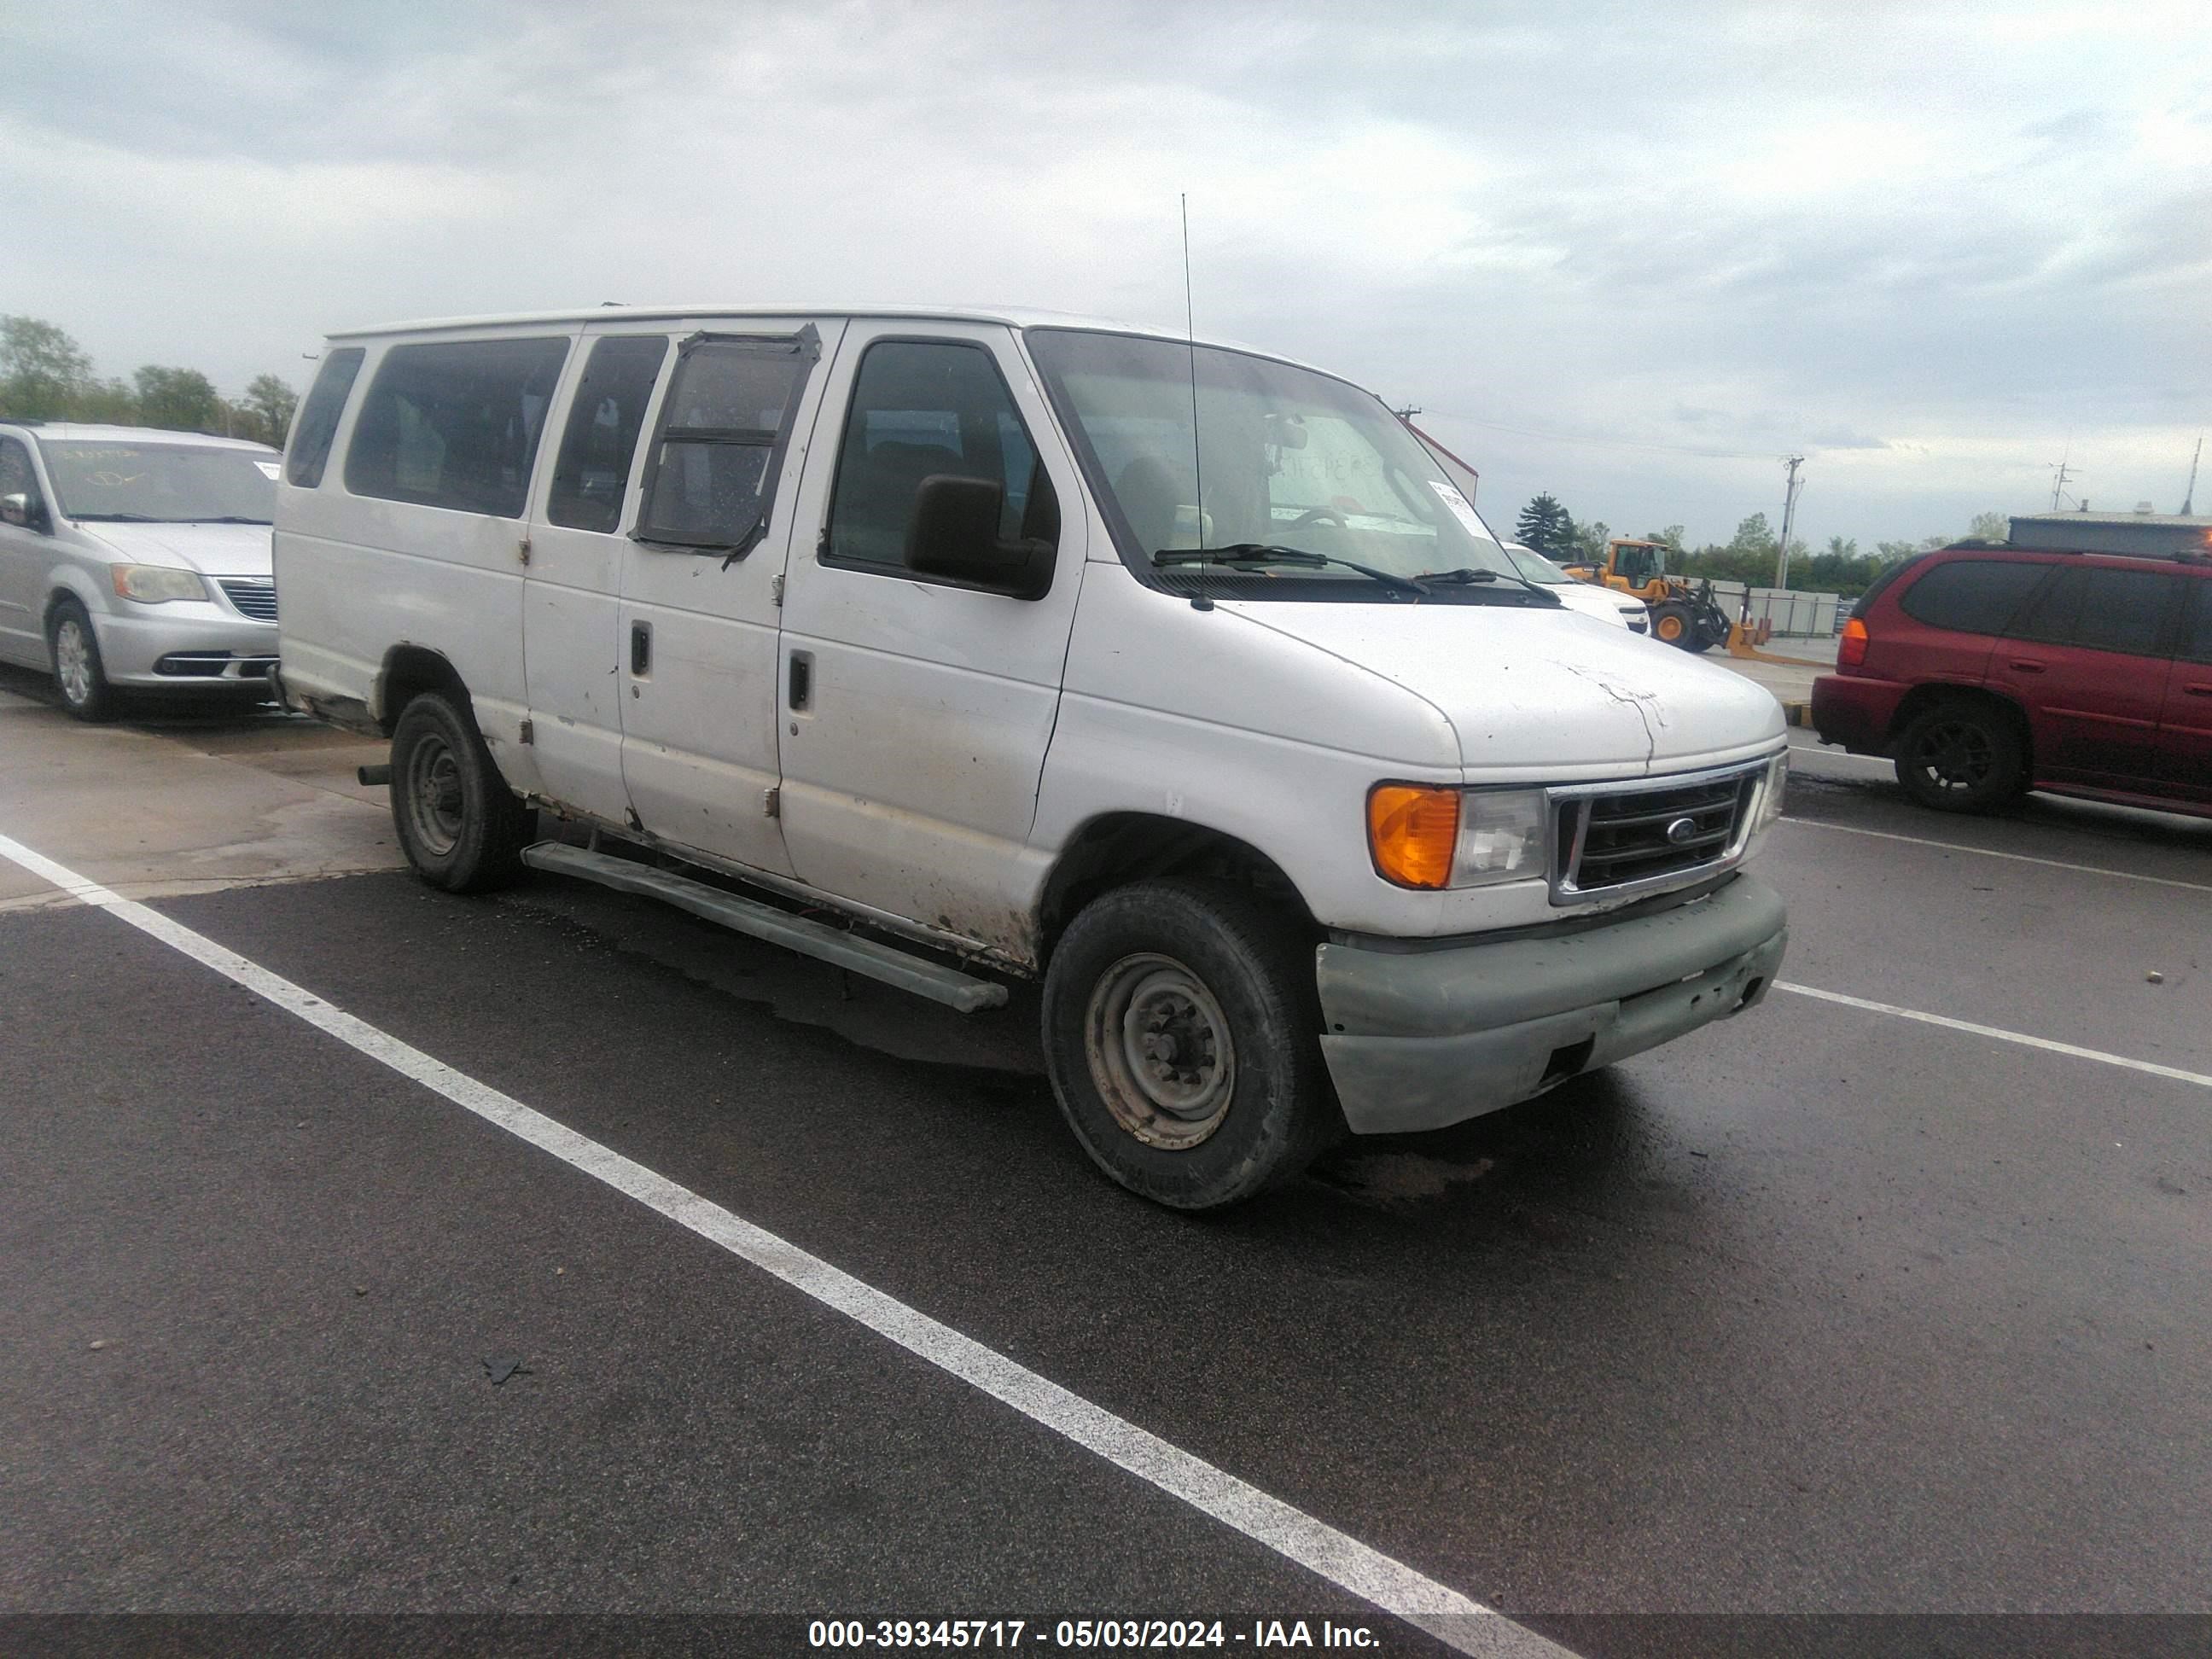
{"points": [[155, 584], [1435, 836]]}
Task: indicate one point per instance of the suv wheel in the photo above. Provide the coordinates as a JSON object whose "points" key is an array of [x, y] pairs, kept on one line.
{"points": [[459, 824], [1961, 757], [75, 651], [1182, 1032]]}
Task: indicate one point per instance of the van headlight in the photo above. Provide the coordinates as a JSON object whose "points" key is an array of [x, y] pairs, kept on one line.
{"points": [[1770, 794], [1434, 836], [155, 584]]}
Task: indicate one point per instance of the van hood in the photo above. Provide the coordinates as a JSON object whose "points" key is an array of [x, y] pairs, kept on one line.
{"points": [[1549, 694], [213, 549]]}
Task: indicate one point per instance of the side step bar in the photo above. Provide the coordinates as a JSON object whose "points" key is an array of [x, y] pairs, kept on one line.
{"points": [[935, 980]]}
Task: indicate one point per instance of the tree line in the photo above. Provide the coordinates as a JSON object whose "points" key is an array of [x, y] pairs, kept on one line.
{"points": [[1747, 556], [45, 375]]}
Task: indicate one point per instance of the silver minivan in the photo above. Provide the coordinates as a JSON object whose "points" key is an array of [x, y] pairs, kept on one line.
{"points": [[134, 559]]}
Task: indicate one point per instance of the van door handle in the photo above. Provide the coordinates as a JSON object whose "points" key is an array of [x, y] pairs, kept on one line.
{"points": [[2028, 665], [2197, 691], [802, 679], [640, 648]]}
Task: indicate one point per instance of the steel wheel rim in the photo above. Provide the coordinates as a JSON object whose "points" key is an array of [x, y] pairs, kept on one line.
{"points": [[1956, 755], [435, 807], [1670, 629], [73, 661], [1161, 1051]]}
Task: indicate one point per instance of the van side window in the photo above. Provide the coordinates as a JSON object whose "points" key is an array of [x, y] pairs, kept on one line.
{"points": [[710, 485], [1973, 596], [592, 468], [921, 408], [318, 417], [2104, 609], [455, 423]]}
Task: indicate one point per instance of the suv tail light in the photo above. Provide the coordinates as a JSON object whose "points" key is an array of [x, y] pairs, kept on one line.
{"points": [[1851, 651]]}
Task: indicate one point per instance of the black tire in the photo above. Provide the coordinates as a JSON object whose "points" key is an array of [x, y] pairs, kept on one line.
{"points": [[1673, 624], [1962, 757], [73, 652], [459, 824], [1219, 970]]}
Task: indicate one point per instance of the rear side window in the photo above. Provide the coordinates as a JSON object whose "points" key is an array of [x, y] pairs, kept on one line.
{"points": [[1973, 596], [455, 424], [2198, 647], [711, 484], [922, 408], [318, 417], [2103, 610], [592, 469]]}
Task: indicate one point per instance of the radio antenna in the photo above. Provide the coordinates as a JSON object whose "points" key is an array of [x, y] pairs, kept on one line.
{"points": [[1190, 339]]}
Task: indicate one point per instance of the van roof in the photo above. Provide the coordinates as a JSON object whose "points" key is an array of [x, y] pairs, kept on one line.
{"points": [[1006, 316]]}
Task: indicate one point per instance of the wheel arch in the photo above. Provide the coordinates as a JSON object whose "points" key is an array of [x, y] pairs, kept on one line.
{"points": [[1923, 697], [1116, 848], [407, 670]]}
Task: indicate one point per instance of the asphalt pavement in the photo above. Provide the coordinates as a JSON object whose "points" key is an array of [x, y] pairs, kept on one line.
{"points": [[1835, 1311]]}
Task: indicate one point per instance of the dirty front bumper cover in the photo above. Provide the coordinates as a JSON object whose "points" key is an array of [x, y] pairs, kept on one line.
{"points": [[1416, 1039]]}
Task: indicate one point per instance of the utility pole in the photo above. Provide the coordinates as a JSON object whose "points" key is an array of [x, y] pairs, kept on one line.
{"points": [[1789, 511], [2058, 484], [2189, 495]]}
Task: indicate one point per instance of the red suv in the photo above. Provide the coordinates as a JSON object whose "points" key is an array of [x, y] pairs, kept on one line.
{"points": [[1988, 671]]}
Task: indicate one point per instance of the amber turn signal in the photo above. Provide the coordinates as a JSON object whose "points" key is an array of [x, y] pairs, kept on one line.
{"points": [[1413, 832], [1850, 652]]}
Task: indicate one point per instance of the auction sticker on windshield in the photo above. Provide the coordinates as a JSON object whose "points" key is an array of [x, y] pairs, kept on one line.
{"points": [[1461, 509]]}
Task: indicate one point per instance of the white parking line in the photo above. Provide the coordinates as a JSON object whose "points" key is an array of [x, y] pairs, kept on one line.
{"points": [[2201, 1079], [1989, 853], [1465, 1625]]}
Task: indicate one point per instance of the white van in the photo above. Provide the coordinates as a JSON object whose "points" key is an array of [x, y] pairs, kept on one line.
{"points": [[1176, 676]]}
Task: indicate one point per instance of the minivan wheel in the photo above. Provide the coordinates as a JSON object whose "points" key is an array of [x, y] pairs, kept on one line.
{"points": [[1181, 1033], [459, 824], [75, 650], [1961, 757]]}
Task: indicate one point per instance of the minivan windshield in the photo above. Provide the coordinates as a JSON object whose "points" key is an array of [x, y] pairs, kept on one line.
{"points": [[1536, 566], [1297, 484], [133, 483]]}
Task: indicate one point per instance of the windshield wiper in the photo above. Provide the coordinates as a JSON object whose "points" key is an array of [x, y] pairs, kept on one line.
{"points": [[224, 518], [1267, 553], [1467, 575], [117, 518]]}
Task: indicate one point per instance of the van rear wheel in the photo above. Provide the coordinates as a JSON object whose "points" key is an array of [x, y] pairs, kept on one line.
{"points": [[459, 824], [1181, 1033]]}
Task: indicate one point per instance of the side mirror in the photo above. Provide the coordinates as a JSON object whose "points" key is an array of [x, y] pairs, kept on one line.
{"points": [[954, 532], [17, 510]]}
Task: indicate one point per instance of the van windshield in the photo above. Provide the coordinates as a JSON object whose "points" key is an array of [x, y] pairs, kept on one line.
{"points": [[1283, 460], [162, 483]]}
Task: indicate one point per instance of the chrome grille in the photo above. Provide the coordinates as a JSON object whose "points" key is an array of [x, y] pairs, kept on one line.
{"points": [[1615, 836], [252, 596]]}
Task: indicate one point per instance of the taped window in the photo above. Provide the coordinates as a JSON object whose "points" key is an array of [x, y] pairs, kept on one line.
{"points": [[710, 486]]}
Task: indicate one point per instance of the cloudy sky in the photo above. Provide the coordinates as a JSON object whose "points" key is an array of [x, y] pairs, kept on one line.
{"points": [[1631, 254]]}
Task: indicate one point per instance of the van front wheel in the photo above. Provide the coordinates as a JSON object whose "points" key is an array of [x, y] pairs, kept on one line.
{"points": [[1182, 1032], [459, 824]]}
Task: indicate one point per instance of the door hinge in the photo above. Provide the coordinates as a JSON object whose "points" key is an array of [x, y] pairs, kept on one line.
{"points": [[522, 549], [526, 734], [772, 803], [775, 590]]}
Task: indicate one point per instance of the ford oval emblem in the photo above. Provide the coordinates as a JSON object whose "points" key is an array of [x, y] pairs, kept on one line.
{"points": [[1680, 832]]}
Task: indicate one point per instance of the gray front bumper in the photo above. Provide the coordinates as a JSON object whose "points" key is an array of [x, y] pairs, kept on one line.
{"points": [[1419, 1039]]}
